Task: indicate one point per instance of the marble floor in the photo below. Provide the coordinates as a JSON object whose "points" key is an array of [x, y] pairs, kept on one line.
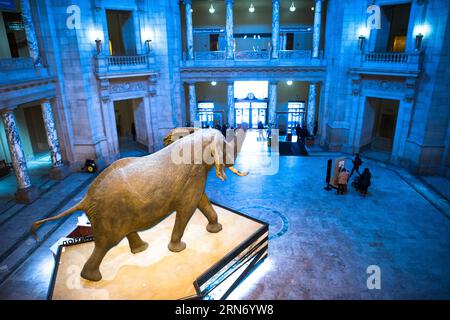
{"points": [[321, 244]]}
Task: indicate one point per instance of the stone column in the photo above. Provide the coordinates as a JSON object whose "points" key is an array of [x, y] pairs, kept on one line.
{"points": [[30, 32], [317, 28], [192, 104], [275, 28], [272, 102], [230, 104], [311, 116], [229, 29], [58, 170], [189, 30], [26, 193]]}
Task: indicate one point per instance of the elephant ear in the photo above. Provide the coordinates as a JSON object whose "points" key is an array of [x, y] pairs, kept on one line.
{"points": [[177, 134]]}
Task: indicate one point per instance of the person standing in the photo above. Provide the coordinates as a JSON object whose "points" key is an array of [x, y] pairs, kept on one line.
{"points": [[364, 181], [133, 131], [357, 162], [342, 181], [261, 131]]}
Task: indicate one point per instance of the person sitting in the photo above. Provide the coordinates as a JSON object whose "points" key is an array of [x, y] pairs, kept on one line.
{"points": [[342, 181], [364, 181]]}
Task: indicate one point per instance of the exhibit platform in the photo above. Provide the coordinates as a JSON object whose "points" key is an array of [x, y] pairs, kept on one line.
{"points": [[211, 266]]}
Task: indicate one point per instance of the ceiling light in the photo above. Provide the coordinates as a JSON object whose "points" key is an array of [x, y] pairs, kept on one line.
{"points": [[292, 8], [252, 8], [211, 9], [213, 83], [289, 82]]}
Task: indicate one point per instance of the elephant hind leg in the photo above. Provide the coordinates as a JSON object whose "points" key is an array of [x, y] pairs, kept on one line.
{"points": [[208, 211], [91, 269], [136, 243], [181, 220]]}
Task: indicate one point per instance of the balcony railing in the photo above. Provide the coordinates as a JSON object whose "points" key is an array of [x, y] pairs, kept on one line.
{"points": [[127, 60], [295, 54], [209, 55], [259, 58], [19, 69], [395, 61], [123, 64], [16, 64], [251, 55]]}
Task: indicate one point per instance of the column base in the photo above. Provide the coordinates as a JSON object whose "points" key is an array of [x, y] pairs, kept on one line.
{"points": [[59, 173], [27, 195]]}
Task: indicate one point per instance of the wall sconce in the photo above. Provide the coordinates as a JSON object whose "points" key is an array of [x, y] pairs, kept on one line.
{"points": [[252, 8], [147, 45], [289, 82], [418, 43], [292, 7], [98, 45], [362, 42], [211, 9], [213, 83]]}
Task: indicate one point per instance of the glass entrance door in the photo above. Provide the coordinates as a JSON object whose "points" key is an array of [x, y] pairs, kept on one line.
{"points": [[251, 113]]}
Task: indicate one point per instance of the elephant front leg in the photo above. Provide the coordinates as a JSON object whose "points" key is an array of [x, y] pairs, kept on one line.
{"points": [[207, 209], [136, 243], [182, 218]]}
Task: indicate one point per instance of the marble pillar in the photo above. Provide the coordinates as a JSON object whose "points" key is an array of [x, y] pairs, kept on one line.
{"points": [[272, 102], [192, 104], [311, 115], [26, 193], [230, 104], [58, 171], [275, 28], [30, 32], [317, 28], [189, 30], [229, 29]]}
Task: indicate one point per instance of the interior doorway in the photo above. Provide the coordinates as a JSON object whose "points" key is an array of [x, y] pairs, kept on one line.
{"points": [[379, 124], [251, 112], [251, 99], [122, 39], [394, 27], [131, 127]]}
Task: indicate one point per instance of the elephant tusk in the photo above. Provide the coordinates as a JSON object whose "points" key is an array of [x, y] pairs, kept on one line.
{"points": [[220, 173], [237, 172]]}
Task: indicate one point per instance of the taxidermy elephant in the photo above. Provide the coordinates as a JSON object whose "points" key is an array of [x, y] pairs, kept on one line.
{"points": [[134, 194]]}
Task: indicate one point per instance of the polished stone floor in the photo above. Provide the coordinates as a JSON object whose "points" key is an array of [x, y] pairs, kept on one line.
{"points": [[320, 243]]}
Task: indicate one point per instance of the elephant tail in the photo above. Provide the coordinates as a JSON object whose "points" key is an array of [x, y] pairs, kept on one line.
{"points": [[79, 206]]}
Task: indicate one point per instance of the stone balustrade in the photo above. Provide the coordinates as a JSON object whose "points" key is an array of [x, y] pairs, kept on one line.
{"points": [[396, 61], [105, 64], [251, 55], [210, 55], [20, 69]]}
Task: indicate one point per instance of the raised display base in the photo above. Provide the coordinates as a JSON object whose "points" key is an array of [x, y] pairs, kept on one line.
{"points": [[27, 196], [59, 173], [211, 266]]}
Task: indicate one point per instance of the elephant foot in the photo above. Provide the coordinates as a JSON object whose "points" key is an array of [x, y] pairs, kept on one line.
{"points": [[176, 246], [214, 227], [139, 248], [91, 275]]}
